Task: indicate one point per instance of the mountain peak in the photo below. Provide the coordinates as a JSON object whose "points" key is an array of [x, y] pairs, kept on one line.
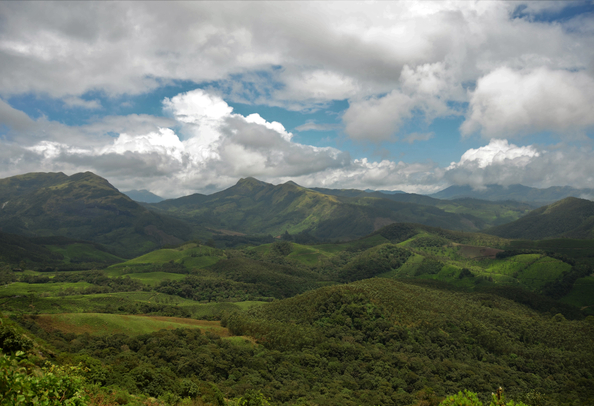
{"points": [[249, 184], [250, 181]]}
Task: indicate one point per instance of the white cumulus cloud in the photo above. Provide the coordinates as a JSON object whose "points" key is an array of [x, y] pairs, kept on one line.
{"points": [[507, 102], [498, 151]]}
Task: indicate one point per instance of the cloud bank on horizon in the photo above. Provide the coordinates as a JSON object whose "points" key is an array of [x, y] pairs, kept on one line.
{"points": [[188, 97]]}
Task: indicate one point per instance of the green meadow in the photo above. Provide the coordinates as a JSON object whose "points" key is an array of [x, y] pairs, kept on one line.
{"points": [[154, 278], [42, 289], [132, 325], [179, 260]]}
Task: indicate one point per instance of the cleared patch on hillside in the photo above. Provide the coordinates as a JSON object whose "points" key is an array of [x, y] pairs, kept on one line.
{"points": [[472, 251], [154, 278], [102, 324]]}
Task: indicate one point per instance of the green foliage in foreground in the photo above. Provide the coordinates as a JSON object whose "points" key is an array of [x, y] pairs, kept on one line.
{"points": [[467, 398], [368, 343], [52, 385]]}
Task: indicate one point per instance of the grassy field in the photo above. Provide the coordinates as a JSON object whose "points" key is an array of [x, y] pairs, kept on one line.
{"points": [[511, 266], [311, 255], [43, 289], [190, 256], [542, 271], [103, 324], [153, 278]]}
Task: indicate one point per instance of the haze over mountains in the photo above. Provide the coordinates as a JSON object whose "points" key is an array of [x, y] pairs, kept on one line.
{"points": [[252, 207], [516, 192]]}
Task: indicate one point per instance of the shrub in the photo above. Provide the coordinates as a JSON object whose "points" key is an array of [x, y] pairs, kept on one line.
{"points": [[52, 385]]}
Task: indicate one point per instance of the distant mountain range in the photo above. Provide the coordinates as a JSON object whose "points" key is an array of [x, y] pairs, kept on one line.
{"points": [[253, 207], [87, 207], [143, 196], [567, 218], [518, 193], [84, 206]]}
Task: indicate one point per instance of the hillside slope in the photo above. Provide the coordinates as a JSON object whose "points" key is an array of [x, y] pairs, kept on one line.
{"points": [[83, 206], [380, 335], [519, 193], [256, 207], [52, 252], [490, 213], [143, 196], [570, 217]]}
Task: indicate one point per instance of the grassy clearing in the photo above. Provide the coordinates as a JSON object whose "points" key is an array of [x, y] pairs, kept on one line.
{"points": [[153, 278], [511, 266], [542, 271], [471, 251], [191, 256], [44, 289], [157, 257], [103, 324], [66, 304]]}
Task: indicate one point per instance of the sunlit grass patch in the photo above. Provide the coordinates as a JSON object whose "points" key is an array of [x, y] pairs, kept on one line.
{"points": [[154, 278], [103, 324], [542, 271], [51, 289]]}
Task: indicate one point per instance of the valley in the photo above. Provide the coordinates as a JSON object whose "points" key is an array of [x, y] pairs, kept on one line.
{"points": [[305, 298]]}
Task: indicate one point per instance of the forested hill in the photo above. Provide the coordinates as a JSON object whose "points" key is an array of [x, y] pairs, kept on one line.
{"points": [[83, 206], [51, 253], [252, 207], [384, 340], [570, 217]]}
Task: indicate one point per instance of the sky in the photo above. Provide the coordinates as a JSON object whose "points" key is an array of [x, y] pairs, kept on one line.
{"points": [[189, 97]]}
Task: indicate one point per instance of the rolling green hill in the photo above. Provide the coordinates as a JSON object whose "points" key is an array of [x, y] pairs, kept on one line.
{"points": [[255, 207], [83, 206], [461, 260], [372, 342], [385, 339], [567, 218]]}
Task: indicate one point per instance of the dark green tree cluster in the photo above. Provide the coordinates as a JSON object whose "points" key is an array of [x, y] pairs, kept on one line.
{"points": [[373, 262]]}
